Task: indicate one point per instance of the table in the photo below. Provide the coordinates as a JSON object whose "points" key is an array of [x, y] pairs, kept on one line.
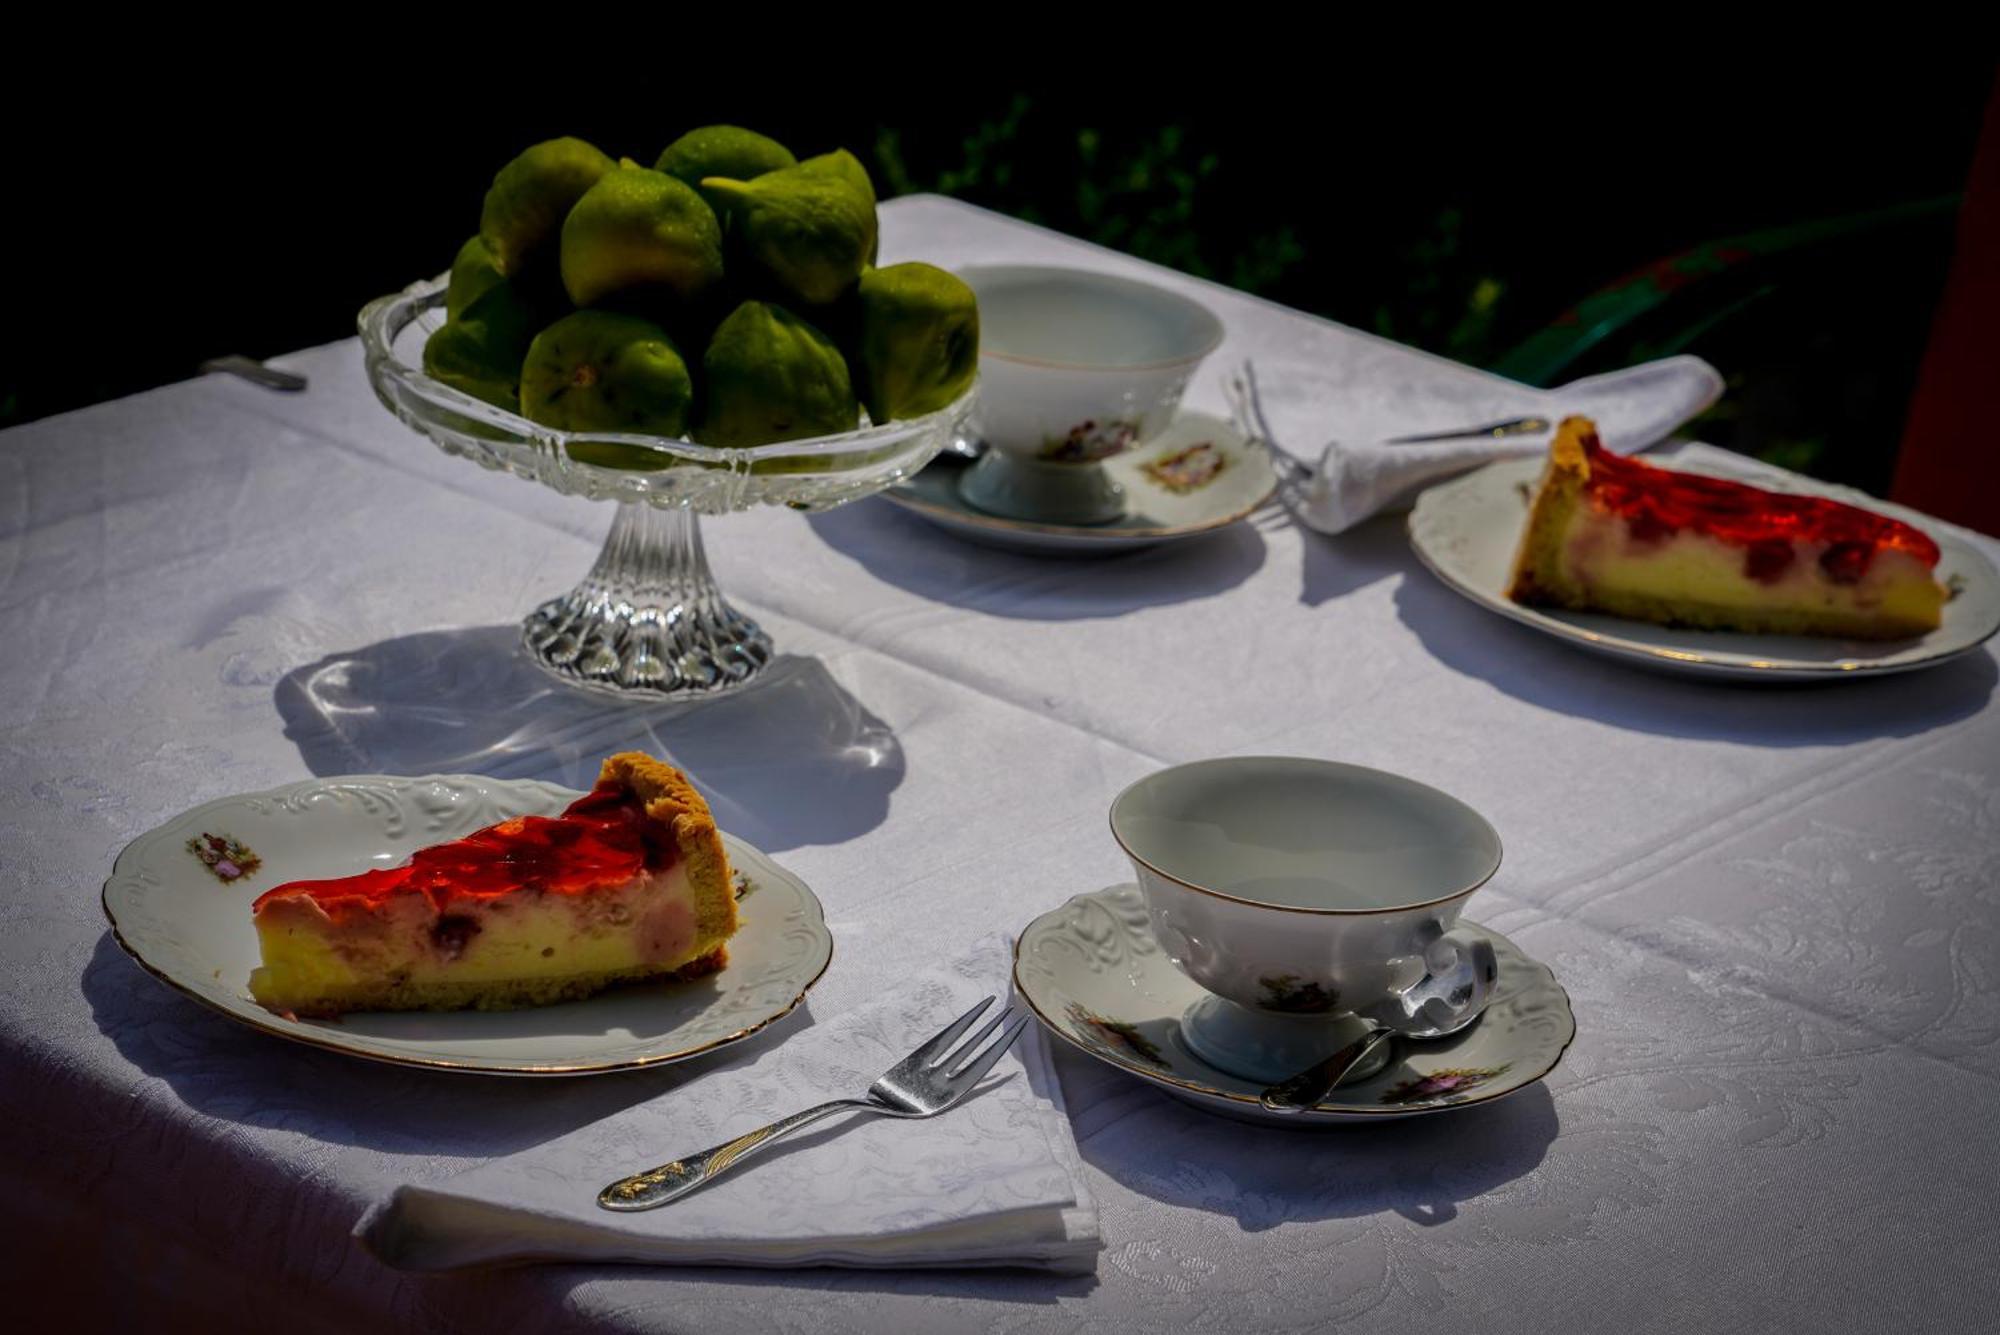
{"points": [[1777, 911]]}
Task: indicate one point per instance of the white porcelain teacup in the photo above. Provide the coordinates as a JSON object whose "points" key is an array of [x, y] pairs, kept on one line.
{"points": [[1299, 892], [1074, 367]]}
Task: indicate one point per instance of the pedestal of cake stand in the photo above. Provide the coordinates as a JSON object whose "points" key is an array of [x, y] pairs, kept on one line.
{"points": [[648, 622]]}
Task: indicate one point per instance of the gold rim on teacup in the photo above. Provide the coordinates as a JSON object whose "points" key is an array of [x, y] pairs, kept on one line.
{"points": [[1165, 875], [1217, 331]]}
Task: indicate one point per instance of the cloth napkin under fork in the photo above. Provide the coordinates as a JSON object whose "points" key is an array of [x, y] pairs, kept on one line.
{"points": [[1360, 473], [995, 1181]]}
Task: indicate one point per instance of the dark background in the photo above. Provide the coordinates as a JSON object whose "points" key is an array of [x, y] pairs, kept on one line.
{"points": [[1459, 209]]}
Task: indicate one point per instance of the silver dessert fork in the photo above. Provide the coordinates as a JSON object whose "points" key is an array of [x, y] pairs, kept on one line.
{"points": [[929, 1081], [1247, 407]]}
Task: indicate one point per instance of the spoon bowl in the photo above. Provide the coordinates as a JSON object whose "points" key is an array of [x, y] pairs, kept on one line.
{"points": [[1435, 1008]]}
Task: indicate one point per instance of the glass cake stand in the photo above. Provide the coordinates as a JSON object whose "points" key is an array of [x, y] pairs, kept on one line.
{"points": [[648, 621]]}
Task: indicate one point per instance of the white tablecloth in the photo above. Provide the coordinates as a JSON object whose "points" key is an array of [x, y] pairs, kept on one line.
{"points": [[1777, 911]]}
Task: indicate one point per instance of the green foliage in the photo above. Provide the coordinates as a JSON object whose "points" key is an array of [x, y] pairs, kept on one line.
{"points": [[1158, 193], [1447, 302], [1821, 357], [986, 160]]}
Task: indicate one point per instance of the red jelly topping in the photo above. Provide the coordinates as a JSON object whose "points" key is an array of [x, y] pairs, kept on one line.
{"points": [[1846, 562], [1767, 559], [605, 837], [1657, 502]]}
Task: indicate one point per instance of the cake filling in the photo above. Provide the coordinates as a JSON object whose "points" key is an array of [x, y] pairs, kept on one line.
{"points": [[628, 882]]}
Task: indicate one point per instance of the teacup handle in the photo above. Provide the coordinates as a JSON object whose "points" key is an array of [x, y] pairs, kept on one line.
{"points": [[1460, 972]]}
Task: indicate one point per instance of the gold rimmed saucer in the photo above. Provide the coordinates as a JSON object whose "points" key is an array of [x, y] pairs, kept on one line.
{"points": [[1198, 475], [1093, 974]]}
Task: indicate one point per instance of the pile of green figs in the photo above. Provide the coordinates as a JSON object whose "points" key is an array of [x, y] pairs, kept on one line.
{"points": [[727, 294]]}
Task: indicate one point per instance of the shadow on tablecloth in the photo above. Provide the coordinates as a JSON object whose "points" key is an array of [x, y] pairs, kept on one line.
{"points": [[1543, 671], [790, 1299], [901, 549], [796, 760], [219, 1068], [1422, 1168], [1333, 567]]}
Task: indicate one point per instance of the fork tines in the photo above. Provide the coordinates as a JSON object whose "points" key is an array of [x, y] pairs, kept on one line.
{"points": [[974, 1057], [932, 1052], [980, 1060]]}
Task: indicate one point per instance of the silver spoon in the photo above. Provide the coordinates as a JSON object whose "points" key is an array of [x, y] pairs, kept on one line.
{"points": [[1307, 1088], [1433, 1009]]}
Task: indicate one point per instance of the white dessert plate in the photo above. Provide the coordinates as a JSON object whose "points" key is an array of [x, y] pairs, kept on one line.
{"points": [[189, 927], [1093, 974], [1196, 476], [1466, 531]]}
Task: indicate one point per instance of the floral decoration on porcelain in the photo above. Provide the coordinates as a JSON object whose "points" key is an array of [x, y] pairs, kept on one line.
{"points": [[1438, 1084], [1188, 470], [1285, 992], [1089, 441], [229, 859], [1116, 1034]]}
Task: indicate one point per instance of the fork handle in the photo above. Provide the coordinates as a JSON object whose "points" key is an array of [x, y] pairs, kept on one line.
{"points": [[1513, 426], [671, 1181]]}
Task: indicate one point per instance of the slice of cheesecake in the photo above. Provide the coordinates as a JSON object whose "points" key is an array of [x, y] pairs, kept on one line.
{"points": [[1610, 534], [630, 882]]}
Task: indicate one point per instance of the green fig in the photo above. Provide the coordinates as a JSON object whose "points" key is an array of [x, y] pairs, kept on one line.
{"points": [[457, 355], [522, 220], [480, 351], [769, 376], [473, 273], [640, 234], [840, 165], [607, 371], [917, 345], [723, 150], [806, 230]]}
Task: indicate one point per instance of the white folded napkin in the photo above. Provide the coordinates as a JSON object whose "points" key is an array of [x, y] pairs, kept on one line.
{"points": [[995, 1181], [1359, 475]]}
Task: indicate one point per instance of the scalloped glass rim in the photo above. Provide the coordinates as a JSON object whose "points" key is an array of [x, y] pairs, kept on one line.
{"points": [[810, 474]]}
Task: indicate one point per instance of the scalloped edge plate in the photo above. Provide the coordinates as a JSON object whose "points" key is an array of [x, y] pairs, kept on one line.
{"points": [[1094, 976], [192, 930], [1466, 531]]}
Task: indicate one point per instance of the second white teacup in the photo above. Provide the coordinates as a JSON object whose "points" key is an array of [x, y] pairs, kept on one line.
{"points": [[1299, 892], [1075, 366]]}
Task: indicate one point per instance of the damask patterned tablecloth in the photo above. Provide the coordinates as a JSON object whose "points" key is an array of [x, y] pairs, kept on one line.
{"points": [[1777, 911]]}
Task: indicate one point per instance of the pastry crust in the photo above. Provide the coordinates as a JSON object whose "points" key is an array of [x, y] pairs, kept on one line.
{"points": [[1538, 577], [672, 801]]}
